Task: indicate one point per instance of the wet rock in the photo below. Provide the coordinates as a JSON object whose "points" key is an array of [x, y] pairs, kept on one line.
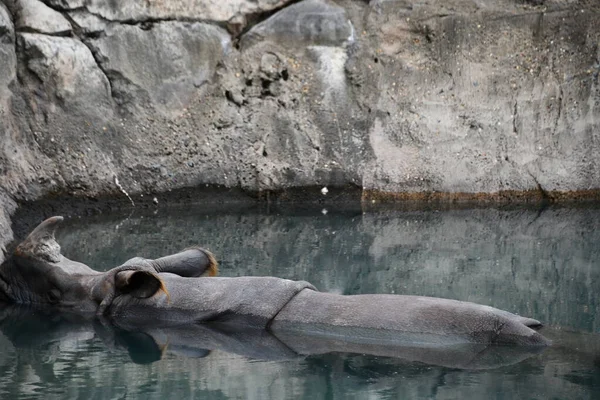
{"points": [[35, 16], [67, 71], [309, 22], [167, 63]]}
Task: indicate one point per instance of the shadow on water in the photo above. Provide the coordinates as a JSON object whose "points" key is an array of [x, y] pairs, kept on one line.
{"points": [[539, 264]]}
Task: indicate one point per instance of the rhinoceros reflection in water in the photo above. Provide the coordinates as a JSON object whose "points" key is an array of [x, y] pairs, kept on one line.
{"points": [[39, 332], [179, 292]]}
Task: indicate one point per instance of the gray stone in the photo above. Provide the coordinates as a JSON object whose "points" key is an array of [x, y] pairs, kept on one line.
{"points": [[168, 63], [66, 4], [6, 26], [309, 22], [35, 16], [8, 75], [234, 11], [8, 59], [468, 115], [67, 70], [89, 23], [7, 207]]}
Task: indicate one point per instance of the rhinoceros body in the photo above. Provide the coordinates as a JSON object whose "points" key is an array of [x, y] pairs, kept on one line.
{"points": [[180, 290]]}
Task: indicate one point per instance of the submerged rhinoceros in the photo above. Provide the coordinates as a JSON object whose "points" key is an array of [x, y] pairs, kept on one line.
{"points": [[180, 289]]}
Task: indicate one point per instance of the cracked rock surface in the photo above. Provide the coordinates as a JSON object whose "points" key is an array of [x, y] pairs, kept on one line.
{"points": [[84, 88], [420, 99], [165, 65], [8, 62], [7, 54], [132, 11]]}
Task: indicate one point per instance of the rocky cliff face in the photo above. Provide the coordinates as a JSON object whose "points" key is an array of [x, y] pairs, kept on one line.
{"points": [[411, 98]]}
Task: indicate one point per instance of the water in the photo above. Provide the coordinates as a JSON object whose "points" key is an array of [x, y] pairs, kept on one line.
{"points": [[540, 263]]}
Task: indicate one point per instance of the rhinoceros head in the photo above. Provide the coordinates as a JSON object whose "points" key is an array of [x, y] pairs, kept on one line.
{"points": [[37, 273]]}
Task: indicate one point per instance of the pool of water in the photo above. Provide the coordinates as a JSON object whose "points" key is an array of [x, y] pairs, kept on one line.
{"points": [[542, 263]]}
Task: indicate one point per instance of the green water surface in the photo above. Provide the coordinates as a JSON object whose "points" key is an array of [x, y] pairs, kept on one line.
{"points": [[542, 263]]}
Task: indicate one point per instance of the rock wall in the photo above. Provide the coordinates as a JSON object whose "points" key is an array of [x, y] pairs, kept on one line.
{"points": [[409, 98]]}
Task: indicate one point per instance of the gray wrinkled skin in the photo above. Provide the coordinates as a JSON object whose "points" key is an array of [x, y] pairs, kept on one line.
{"points": [[410, 320], [173, 291]]}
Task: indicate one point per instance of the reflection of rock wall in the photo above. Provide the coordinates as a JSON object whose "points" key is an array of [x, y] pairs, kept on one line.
{"points": [[542, 265], [81, 366]]}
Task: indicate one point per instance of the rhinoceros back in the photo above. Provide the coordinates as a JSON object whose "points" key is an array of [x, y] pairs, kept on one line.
{"points": [[252, 301], [405, 320]]}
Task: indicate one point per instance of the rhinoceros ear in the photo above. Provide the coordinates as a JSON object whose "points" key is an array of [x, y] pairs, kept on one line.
{"points": [[193, 262], [140, 284]]}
